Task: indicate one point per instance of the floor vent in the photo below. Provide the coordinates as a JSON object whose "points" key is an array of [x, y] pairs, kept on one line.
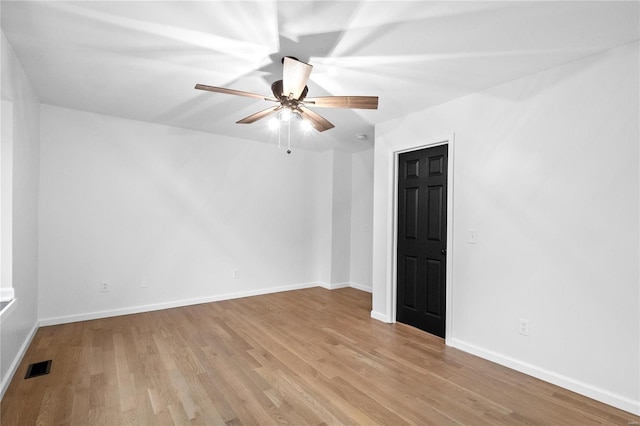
{"points": [[38, 369]]}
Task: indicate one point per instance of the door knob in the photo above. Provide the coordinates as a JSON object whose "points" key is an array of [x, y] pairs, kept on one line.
{"points": [[443, 251]]}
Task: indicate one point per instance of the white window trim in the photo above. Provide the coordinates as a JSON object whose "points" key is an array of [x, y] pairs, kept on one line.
{"points": [[6, 200]]}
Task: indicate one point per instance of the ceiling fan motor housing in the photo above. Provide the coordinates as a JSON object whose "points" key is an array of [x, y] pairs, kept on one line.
{"points": [[277, 90]]}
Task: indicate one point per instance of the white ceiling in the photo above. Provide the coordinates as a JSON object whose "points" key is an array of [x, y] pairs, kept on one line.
{"points": [[141, 59]]}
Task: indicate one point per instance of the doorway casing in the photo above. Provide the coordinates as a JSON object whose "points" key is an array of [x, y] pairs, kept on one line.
{"points": [[392, 259]]}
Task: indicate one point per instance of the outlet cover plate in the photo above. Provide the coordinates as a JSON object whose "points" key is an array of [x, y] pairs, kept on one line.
{"points": [[523, 326]]}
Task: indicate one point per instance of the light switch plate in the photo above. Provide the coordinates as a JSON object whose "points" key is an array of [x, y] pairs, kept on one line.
{"points": [[473, 236]]}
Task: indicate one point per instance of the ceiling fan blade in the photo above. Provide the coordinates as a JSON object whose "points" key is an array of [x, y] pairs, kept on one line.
{"points": [[295, 75], [358, 102], [231, 92], [317, 121], [258, 115]]}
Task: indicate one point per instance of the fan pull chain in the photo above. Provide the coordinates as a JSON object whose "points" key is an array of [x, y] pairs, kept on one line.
{"points": [[289, 137], [279, 132]]}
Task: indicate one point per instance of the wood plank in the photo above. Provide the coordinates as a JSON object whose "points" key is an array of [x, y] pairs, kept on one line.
{"points": [[311, 356]]}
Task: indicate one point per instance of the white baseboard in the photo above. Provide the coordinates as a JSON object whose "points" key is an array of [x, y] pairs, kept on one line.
{"points": [[334, 286], [361, 287], [6, 380], [577, 386], [186, 302], [167, 305], [379, 316]]}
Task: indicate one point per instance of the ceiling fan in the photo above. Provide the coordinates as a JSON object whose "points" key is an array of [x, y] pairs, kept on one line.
{"points": [[290, 95]]}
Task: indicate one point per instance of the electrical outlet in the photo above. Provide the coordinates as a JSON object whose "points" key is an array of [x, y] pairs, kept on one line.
{"points": [[473, 236], [144, 282], [236, 274], [523, 326], [104, 287]]}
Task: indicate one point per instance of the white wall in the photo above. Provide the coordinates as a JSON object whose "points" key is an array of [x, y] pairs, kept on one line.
{"points": [[341, 219], [361, 219], [17, 328], [122, 201], [127, 203], [321, 216], [547, 172]]}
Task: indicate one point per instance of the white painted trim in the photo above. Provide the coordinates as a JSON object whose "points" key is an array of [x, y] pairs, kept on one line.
{"points": [[448, 331], [577, 386], [392, 249], [167, 305], [6, 380], [361, 287], [324, 285], [6, 294], [334, 286], [393, 245], [7, 310], [6, 198], [380, 317]]}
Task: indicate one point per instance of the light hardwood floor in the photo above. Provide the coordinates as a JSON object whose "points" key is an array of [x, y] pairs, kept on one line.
{"points": [[303, 357]]}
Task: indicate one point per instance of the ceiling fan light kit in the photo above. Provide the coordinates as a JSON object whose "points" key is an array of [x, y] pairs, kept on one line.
{"points": [[290, 95], [284, 119]]}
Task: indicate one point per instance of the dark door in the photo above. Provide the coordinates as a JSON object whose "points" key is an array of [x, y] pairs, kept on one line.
{"points": [[422, 239]]}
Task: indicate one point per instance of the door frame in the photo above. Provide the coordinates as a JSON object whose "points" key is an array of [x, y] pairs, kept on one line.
{"points": [[392, 299]]}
